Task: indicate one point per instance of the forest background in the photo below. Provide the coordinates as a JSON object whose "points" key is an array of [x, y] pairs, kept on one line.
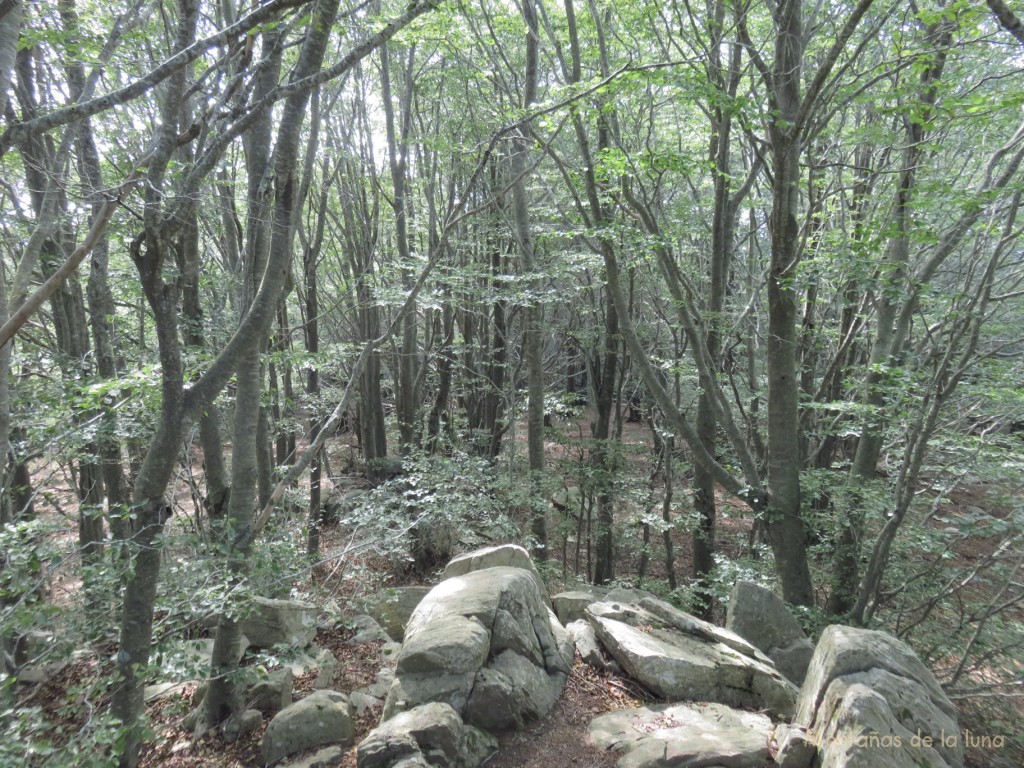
{"points": [[450, 253]]}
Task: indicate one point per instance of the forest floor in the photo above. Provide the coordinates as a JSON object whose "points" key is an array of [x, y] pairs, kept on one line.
{"points": [[557, 740]]}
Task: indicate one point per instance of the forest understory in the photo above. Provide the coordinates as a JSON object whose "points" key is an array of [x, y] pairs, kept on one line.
{"points": [[68, 700]]}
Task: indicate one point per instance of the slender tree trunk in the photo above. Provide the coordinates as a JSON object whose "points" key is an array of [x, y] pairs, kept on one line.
{"points": [[534, 316]]}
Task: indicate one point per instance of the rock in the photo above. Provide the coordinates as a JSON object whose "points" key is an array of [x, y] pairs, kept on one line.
{"points": [[586, 643], [508, 692], [362, 702], [684, 736], [701, 664], [160, 691], [503, 555], [760, 616], [569, 606], [280, 622], [847, 650], [323, 717], [390, 651], [793, 660], [475, 747], [379, 688], [796, 746], [871, 702], [367, 630], [273, 693], [862, 732], [433, 731], [328, 757], [241, 724], [327, 664], [487, 633], [393, 608]]}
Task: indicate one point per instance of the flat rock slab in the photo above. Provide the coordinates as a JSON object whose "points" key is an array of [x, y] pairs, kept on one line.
{"points": [[684, 736], [682, 665]]}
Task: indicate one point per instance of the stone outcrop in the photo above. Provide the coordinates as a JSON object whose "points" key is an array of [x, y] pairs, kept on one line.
{"points": [[869, 701], [279, 622], [323, 717], [485, 644], [758, 615], [684, 736], [683, 658]]}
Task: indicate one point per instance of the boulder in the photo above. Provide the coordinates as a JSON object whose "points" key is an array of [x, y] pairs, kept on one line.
{"points": [[431, 730], [241, 724], [367, 630], [427, 735], [869, 701], [485, 635], [393, 607], [502, 555], [569, 606], [273, 693], [323, 717], [760, 616], [846, 650], [863, 732], [680, 657], [684, 736], [280, 622]]}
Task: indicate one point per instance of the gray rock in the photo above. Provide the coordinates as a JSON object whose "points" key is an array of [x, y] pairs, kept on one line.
{"points": [[563, 642], [367, 630], [328, 757], [569, 606], [679, 665], [586, 643], [863, 733], [393, 607], [273, 693], [362, 702], [847, 650], [438, 662], [433, 731], [796, 746], [280, 622], [871, 702], [160, 691], [495, 614], [684, 736], [761, 617], [323, 717], [475, 747], [793, 660], [241, 724], [327, 665], [502, 555], [908, 711]]}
